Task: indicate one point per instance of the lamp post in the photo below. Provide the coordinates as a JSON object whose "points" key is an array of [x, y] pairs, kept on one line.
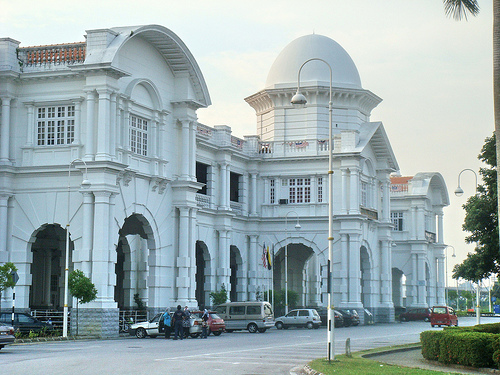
{"points": [[299, 99], [297, 227], [85, 184], [446, 281], [459, 192]]}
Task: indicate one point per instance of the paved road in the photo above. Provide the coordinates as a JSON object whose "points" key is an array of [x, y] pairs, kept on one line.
{"points": [[273, 352]]}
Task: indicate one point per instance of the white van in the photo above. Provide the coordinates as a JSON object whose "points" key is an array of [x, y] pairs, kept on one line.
{"points": [[256, 316]]}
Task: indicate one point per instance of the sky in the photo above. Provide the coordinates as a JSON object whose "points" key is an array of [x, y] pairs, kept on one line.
{"points": [[433, 73]]}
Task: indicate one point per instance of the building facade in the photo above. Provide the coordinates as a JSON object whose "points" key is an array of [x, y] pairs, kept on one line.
{"points": [[177, 209]]}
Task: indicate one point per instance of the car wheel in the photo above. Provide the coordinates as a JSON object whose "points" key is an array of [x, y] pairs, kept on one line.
{"points": [[262, 330], [217, 333], [252, 328], [140, 333], [309, 325], [279, 325], [195, 335]]}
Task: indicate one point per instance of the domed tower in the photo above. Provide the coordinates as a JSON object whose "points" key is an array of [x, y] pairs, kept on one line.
{"points": [[277, 120]]}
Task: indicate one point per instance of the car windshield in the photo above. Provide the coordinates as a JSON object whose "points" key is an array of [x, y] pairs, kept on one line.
{"points": [[439, 310], [315, 313], [214, 316]]}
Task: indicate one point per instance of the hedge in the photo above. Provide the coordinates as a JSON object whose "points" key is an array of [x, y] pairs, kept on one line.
{"points": [[462, 346]]}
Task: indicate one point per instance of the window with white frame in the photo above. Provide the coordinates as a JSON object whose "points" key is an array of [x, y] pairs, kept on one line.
{"points": [[272, 192], [364, 194], [138, 135], [55, 125], [397, 220], [320, 189], [299, 190]]}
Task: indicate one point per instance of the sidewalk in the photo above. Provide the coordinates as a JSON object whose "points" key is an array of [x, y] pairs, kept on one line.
{"points": [[412, 357]]}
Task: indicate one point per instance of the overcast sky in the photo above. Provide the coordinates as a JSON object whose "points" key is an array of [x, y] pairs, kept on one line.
{"points": [[434, 74]]}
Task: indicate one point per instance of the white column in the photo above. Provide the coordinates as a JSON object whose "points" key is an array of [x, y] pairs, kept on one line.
{"points": [[224, 271], [386, 274], [103, 125], [252, 268], [113, 125], [354, 191], [440, 234], [354, 270], [101, 250], [224, 181], [253, 194], [414, 223], [421, 279], [192, 150], [192, 256], [31, 124], [78, 122], [4, 206], [5, 132], [183, 262], [87, 235], [414, 280], [344, 267], [344, 192], [386, 192], [185, 146], [420, 223], [439, 281], [89, 140]]}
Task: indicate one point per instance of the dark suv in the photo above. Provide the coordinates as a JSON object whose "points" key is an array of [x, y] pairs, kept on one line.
{"points": [[416, 314], [24, 322]]}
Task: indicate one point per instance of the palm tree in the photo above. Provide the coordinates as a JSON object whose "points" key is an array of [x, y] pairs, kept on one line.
{"points": [[458, 9]]}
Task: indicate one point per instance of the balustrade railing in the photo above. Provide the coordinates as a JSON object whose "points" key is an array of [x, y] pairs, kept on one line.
{"points": [[58, 54]]}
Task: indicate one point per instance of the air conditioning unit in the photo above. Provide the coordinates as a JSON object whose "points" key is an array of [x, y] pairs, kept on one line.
{"points": [[283, 201]]}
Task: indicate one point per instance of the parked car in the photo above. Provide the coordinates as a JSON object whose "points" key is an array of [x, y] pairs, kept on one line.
{"points": [[151, 327], [338, 318], [255, 316], [216, 324], [24, 322], [299, 318], [6, 335], [416, 314], [351, 317], [443, 315]]}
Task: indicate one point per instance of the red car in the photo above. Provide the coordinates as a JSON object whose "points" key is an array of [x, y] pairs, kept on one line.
{"points": [[416, 314], [443, 315], [215, 323]]}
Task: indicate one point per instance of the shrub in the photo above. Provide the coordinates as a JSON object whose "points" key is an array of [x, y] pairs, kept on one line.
{"points": [[430, 344]]}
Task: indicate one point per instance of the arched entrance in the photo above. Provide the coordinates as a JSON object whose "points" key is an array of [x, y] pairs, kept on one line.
{"points": [[366, 278], [202, 294], [47, 267], [398, 288], [235, 263], [132, 264]]}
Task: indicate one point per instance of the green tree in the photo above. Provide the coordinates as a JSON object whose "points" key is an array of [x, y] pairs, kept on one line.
{"points": [[459, 9], [481, 221], [82, 288], [219, 297], [6, 280]]}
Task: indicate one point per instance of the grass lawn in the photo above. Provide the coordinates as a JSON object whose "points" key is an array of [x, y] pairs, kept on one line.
{"points": [[357, 365]]}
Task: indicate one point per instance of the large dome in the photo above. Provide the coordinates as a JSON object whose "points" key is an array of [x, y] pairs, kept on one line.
{"points": [[285, 68]]}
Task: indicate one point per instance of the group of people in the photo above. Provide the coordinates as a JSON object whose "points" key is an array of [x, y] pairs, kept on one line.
{"points": [[180, 323]]}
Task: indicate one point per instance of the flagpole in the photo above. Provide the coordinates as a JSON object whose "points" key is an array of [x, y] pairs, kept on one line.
{"points": [[272, 279]]}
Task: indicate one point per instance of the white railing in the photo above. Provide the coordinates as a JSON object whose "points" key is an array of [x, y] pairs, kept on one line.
{"points": [[399, 189], [203, 200]]}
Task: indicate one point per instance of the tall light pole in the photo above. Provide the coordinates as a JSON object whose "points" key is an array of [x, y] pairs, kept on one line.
{"points": [[297, 227], [85, 184], [299, 99], [459, 192], [446, 281]]}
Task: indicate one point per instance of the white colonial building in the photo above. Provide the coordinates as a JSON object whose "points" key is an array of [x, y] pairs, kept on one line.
{"points": [[176, 209]]}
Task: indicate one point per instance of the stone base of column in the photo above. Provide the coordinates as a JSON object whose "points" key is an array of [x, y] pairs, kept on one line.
{"points": [[95, 322], [383, 314]]}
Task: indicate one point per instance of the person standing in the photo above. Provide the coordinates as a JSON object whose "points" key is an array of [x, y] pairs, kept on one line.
{"points": [[204, 324], [178, 319], [167, 323], [187, 321]]}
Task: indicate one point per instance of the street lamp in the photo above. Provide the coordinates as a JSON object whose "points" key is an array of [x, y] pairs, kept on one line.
{"points": [[459, 192], [299, 99], [446, 281], [297, 227], [85, 185]]}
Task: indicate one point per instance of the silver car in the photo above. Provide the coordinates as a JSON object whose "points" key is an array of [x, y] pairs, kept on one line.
{"points": [[151, 327], [6, 335], [299, 318]]}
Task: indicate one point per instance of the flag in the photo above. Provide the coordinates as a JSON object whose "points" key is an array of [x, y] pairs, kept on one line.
{"points": [[264, 256], [269, 262]]}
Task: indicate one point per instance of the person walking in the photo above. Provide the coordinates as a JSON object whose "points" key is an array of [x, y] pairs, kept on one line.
{"points": [[204, 324], [167, 323], [187, 322], [178, 319]]}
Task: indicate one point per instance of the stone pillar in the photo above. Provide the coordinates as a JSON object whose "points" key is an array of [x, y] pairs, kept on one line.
{"points": [[354, 191], [421, 280], [224, 181], [192, 150], [78, 122], [252, 268], [414, 280], [4, 206], [113, 124], [343, 209], [89, 140], [440, 281], [183, 261], [192, 256], [31, 124], [386, 273], [103, 125], [354, 271], [185, 158], [386, 194], [413, 226], [87, 235], [344, 268], [440, 234], [253, 194], [224, 271], [5, 132]]}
